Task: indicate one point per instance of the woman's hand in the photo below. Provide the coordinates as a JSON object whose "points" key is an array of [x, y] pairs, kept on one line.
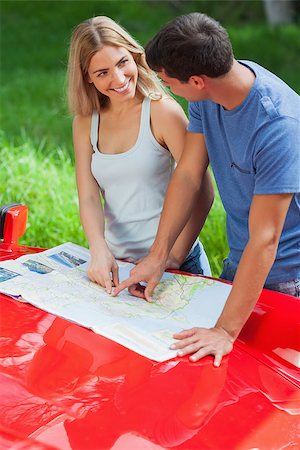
{"points": [[103, 269]]}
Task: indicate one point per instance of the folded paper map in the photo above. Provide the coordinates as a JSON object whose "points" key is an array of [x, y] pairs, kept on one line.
{"points": [[56, 281]]}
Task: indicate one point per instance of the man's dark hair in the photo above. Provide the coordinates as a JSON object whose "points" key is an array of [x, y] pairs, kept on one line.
{"points": [[192, 44]]}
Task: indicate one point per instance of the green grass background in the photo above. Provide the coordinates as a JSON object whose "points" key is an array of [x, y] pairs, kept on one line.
{"points": [[36, 154]]}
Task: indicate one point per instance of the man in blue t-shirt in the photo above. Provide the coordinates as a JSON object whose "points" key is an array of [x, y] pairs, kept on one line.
{"points": [[245, 122]]}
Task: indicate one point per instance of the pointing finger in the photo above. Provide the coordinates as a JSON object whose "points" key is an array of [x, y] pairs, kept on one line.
{"points": [[125, 284]]}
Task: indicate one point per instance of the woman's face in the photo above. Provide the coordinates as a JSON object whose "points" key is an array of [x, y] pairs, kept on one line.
{"points": [[113, 72]]}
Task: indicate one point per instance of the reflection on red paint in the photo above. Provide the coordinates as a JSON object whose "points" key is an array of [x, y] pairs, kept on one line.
{"points": [[78, 390], [66, 387]]}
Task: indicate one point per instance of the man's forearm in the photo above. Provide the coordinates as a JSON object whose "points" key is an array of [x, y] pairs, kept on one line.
{"points": [[266, 220], [249, 280], [202, 206], [179, 203]]}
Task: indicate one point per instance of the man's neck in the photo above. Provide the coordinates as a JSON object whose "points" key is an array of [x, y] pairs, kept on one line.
{"points": [[231, 89]]}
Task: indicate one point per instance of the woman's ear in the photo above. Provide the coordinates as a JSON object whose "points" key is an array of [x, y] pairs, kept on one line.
{"points": [[88, 78]]}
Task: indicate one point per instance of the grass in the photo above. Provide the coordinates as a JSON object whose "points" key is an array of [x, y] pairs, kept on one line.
{"points": [[45, 182], [34, 44], [36, 153]]}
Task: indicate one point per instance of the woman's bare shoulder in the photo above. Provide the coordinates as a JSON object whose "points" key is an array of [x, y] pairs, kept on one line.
{"points": [[82, 122], [167, 109]]}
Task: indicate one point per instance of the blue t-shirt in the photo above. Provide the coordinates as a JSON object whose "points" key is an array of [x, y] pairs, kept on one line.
{"points": [[255, 149]]}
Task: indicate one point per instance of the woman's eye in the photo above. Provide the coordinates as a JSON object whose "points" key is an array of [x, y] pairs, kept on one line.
{"points": [[124, 61], [101, 74]]}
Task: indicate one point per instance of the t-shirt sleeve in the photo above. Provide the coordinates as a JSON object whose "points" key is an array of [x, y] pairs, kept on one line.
{"points": [[277, 158], [195, 122]]}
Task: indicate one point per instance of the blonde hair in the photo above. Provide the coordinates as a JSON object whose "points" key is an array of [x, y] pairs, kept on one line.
{"points": [[88, 38]]}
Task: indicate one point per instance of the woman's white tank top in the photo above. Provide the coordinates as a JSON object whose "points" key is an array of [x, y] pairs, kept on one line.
{"points": [[133, 185]]}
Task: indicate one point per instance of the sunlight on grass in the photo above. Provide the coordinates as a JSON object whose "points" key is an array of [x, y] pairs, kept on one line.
{"points": [[213, 236], [45, 182]]}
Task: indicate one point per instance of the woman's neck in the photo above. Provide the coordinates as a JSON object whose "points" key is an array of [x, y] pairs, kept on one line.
{"points": [[119, 108]]}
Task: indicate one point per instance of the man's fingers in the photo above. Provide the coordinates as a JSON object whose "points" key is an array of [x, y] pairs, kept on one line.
{"points": [[184, 334], [123, 285], [149, 290], [218, 359], [192, 348], [137, 290], [196, 350], [204, 351], [184, 343]]}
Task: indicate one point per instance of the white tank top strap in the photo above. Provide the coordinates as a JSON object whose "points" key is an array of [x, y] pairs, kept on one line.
{"points": [[94, 130], [145, 125], [145, 116]]}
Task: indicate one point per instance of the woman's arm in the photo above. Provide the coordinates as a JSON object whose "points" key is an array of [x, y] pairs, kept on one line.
{"points": [[91, 212], [169, 127]]}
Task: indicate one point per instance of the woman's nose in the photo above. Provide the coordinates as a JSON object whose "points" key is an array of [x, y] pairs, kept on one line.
{"points": [[119, 76]]}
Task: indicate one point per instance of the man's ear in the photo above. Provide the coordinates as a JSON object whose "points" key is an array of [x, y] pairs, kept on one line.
{"points": [[197, 81]]}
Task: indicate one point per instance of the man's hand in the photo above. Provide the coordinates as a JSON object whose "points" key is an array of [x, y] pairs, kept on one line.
{"points": [[149, 270], [173, 262], [202, 342]]}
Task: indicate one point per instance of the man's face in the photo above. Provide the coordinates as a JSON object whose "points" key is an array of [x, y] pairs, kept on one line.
{"points": [[186, 90]]}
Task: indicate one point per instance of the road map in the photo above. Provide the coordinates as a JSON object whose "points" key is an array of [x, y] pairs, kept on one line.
{"points": [[56, 281]]}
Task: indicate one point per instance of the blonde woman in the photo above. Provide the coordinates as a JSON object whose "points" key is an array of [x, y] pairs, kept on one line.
{"points": [[128, 133]]}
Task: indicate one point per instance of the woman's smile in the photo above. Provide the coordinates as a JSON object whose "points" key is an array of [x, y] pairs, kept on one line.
{"points": [[124, 88], [113, 71]]}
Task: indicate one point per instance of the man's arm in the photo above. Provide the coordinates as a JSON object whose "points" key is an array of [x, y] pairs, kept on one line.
{"points": [[179, 203], [169, 124], [202, 205], [266, 220]]}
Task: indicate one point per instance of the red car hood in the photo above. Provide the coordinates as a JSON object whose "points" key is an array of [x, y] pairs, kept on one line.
{"points": [[64, 386]]}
